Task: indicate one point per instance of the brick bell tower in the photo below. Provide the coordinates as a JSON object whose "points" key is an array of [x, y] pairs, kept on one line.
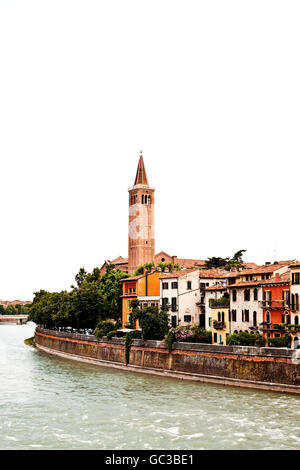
{"points": [[141, 241]]}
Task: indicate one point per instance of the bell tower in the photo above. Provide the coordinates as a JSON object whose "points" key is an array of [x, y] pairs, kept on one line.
{"points": [[141, 241]]}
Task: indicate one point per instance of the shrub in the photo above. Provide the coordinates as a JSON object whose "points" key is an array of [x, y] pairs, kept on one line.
{"points": [[280, 342], [104, 327], [111, 334], [245, 339], [118, 334], [128, 340]]}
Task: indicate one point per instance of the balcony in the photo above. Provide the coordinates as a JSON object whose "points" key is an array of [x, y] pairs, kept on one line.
{"points": [[223, 302], [129, 294], [219, 325], [274, 304]]}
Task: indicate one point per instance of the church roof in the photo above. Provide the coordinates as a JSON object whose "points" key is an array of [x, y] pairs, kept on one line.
{"points": [[141, 176]]}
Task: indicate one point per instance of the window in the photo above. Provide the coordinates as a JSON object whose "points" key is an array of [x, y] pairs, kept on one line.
{"points": [[233, 312], [215, 337], [247, 294], [296, 320], [286, 298], [268, 319], [254, 319], [187, 318], [165, 301], [268, 297], [295, 278], [165, 285], [149, 200], [219, 316], [174, 304], [174, 285], [255, 294], [209, 321], [189, 284], [234, 295], [246, 315]]}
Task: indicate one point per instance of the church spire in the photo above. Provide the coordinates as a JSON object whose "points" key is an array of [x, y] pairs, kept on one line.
{"points": [[141, 176]]}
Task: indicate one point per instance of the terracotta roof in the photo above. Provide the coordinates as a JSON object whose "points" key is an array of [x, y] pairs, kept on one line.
{"points": [[176, 274], [266, 268], [133, 278], [216, 287], [190, 263], [119, 260], [213, 273], [141, 176], [282, 279]]}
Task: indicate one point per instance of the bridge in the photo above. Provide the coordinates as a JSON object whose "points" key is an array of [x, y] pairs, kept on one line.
{"points": [[18, 319]]}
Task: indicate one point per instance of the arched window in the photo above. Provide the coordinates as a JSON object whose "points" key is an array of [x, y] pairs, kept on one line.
{"points": [[287, 318], [236, 331], [234, 295], [219, 316], [255, 294], [247, 294], [254, 318]]}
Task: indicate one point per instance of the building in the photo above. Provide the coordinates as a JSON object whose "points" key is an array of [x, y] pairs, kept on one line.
{"points": [[146, 289], [246, 294], [220, 322], [211, 294], [295, 295], [276, 305], [180, 294]]}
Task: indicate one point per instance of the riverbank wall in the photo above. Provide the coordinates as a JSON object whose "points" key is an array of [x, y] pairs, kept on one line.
{"points": [[276, 369]]}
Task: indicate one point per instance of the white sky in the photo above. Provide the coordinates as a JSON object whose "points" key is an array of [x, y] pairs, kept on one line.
{"points": [[209, 89]]}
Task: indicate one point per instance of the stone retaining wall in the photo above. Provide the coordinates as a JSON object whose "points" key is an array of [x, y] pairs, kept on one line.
{"points": [[266, 368]]}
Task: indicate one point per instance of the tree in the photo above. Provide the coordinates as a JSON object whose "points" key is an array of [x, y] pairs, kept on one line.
{"points": [[226, 263], [142, 267], [154, 323], [111, 290]]}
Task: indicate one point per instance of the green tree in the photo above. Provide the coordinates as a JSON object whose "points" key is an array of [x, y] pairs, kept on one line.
{"points": [[154, 323]]}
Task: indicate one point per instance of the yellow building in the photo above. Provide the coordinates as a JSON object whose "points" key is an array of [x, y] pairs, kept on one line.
{"points": [[145, 288], [220, 324]]}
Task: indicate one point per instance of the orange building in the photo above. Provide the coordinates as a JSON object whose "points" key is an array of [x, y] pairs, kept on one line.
{"points": [[145, 288], [276, 305]]}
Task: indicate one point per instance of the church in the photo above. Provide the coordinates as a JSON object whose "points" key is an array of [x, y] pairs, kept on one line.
{"points": [[141, 234]]}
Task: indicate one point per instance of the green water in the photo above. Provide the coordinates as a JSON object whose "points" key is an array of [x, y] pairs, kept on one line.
{"points": [[53, 403]]}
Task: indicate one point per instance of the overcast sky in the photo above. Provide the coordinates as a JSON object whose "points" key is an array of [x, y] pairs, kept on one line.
{"points": [[210, 90]]}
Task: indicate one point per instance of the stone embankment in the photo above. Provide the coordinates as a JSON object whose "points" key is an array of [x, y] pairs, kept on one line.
{"points": [[276, 369]]}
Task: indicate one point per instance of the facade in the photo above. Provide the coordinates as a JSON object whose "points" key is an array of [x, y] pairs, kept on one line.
{"points": [[276, 306], [295, 296], [145, 288], [246, 294], [212, 294], [220, 323], [180, 294]]}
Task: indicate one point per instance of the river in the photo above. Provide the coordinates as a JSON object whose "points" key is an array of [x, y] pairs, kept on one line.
{"points": [[52, 403]]}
